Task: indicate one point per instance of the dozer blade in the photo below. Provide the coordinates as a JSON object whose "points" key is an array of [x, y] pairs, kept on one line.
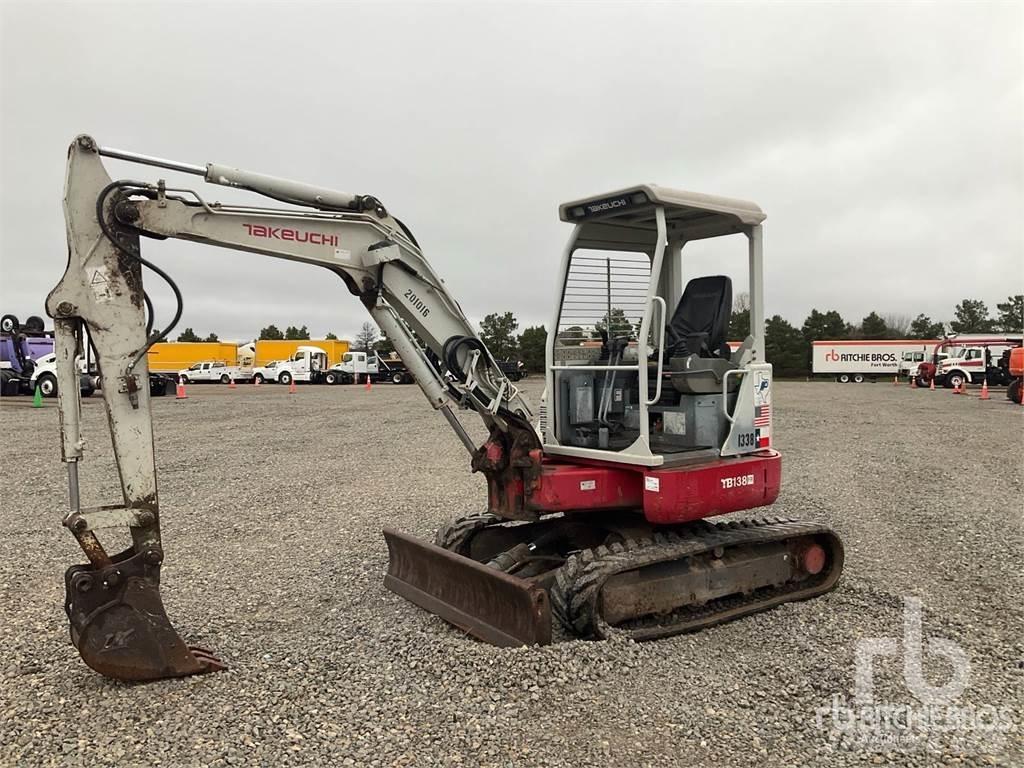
{"points": [[485, 602], [119, 626]]}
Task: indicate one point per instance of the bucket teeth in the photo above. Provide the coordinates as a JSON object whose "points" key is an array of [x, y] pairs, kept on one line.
{"points": [[120, 627]]}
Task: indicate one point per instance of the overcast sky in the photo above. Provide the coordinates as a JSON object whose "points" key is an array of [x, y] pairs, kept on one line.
{"points": [[884, 141]]}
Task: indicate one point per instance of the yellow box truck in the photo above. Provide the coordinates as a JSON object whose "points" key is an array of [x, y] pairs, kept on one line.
{"points": [[172, 356]]}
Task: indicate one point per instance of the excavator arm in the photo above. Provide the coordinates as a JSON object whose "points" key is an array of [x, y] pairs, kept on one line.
{"points": [[117, 618]]}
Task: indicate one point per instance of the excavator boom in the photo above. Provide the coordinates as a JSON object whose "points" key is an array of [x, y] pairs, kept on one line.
{"points": [[117, 618]]}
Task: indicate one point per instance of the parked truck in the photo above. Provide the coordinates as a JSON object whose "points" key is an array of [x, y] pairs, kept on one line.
{"points": [[213, 371], [27, 360], [1013, 360], [271, 350], [356, 366], [866, 359], [975, 361], [307, 364]]}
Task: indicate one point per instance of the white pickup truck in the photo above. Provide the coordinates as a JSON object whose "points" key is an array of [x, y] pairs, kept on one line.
{"points": [[307, 364], [212, 371]]}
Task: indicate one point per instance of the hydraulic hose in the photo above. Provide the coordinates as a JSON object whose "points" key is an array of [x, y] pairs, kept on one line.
{"points": [[150, 339]]}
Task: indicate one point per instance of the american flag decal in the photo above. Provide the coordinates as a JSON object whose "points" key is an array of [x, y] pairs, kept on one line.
{"points": [[762, 415]]}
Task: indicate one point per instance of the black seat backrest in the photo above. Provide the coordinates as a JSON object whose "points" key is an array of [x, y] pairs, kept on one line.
{"points": [[701, 321]]}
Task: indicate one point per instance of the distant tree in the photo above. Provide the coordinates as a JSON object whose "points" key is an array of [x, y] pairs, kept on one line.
{"points": [[739, 319], [383, 345], [365, 338], [271, 332], [825, 325], [296, 334], [212, 337], [532, 346], [330, 336], [1011, 314], [971, 317], [923, 328], [188, 335], [873, 327], [571, 337], [618, 325], [785, 347], [898, 324], [497, 332]]}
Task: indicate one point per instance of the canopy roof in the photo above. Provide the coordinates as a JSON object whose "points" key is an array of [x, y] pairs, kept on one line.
{"points": [[625, 218]]}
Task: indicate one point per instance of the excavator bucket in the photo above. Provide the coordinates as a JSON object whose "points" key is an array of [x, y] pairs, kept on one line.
{"points": [[119, 626], [483, 601]]}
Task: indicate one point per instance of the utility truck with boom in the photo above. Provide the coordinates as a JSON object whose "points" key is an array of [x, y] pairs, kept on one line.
{"points": [[598, 516], [357, 366]]}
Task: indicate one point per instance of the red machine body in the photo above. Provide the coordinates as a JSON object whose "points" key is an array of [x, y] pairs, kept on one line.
{"points": [[667, 496]]}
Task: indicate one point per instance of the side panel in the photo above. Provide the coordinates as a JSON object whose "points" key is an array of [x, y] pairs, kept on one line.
{"points": [[728, 485], [566, 487]]}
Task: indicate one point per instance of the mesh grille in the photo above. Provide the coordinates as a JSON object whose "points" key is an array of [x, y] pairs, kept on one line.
{"points": [[596, 282]]}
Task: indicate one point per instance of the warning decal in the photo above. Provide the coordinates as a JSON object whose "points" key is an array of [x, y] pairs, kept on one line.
{"points": [[100, 284]]}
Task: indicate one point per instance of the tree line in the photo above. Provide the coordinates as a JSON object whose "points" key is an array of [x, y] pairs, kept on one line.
{"points": [[787, 347]]}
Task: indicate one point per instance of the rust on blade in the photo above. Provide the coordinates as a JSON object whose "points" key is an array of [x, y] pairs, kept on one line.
{"points": [[485, 602]]}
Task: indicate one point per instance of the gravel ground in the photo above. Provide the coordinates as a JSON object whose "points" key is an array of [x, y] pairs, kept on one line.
{"points": [[273, 505]]}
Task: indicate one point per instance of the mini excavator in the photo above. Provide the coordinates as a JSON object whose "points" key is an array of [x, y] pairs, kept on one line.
{"points": [[599, 513]]}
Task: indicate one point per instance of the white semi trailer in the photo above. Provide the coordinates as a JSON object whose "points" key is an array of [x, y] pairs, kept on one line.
{"points": [[866, 359]]}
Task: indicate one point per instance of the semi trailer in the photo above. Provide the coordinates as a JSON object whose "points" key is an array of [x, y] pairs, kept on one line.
{"points": [[867, 359], [172, 356]]}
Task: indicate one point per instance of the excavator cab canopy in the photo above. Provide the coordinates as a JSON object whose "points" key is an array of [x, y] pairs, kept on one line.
{"points": [[637, 361], [628, 216]]}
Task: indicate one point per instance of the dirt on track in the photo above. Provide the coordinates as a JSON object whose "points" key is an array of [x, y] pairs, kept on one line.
{"points": [[272, 506]]}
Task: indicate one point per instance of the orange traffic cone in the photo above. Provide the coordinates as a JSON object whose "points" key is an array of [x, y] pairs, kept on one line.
{"points": [[369, 383], [896, 380], [931, 384], [291, 388], [984, 389], [231, 383], [179, 392], [256, 381], [913, 382], [956, 389]]}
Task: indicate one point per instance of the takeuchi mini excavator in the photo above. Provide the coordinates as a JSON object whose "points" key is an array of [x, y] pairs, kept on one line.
{"points": [[597, 511]]}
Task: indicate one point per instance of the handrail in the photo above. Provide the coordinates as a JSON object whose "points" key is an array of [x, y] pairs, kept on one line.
{"points": [[661, 349], [725, 392], [586, 367]]}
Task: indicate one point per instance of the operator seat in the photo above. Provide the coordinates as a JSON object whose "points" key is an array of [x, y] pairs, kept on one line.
{"points": [[701, 320], [695, 347]]}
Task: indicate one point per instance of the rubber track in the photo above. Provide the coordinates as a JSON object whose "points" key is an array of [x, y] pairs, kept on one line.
{"points": [[456, 536], [575, 596]]}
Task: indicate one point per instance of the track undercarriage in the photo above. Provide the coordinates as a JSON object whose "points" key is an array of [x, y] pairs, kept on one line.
{"points": [[614, 574]]}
